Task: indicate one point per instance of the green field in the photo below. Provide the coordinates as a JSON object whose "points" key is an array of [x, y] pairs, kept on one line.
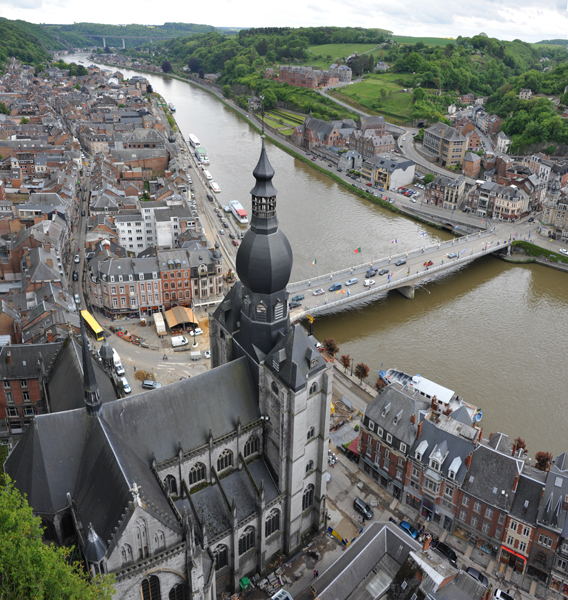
{"points": [[367, 96], [335, 51], [429, 41]]}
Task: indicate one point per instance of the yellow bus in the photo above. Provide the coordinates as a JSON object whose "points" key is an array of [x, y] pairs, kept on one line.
{"points": [[95, 328]]}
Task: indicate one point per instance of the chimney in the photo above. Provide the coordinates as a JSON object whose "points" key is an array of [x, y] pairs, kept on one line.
{"points": [[468, 460], [50, 336], [516, 482], [9, 356], [419, 432], [413, 419]]}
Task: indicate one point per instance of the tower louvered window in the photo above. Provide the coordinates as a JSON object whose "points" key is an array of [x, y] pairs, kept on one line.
{"points": [[261, 313], [245, 308], [279, 310]]}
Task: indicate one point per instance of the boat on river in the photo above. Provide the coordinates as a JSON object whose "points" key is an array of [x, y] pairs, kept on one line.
{"points": [[201, 155], [238, 211], [172, 107], [193, 140], [215, 187]]}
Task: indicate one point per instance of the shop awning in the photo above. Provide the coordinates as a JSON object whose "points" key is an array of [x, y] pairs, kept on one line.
{"points": [[180, 315], [524, 558], [353, 446]]}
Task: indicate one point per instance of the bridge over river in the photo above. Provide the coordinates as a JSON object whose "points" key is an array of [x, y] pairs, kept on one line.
{"points": [[402, 277]]}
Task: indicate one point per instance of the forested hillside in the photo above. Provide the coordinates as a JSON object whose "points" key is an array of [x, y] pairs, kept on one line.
{"points": [[15, 41]]}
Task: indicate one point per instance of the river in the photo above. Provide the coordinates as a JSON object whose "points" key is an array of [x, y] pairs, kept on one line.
{"points": [[490, 331]]}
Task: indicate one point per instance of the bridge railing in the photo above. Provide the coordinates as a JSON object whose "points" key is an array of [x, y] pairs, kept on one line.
{"points": [[313, 281], [398, 283]]}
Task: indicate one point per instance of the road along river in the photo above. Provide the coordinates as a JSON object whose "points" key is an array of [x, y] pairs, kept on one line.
{"points": [[495, 333]]}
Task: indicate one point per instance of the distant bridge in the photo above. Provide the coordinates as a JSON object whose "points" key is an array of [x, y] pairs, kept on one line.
{"points": [[402, 278], [127, 37]]}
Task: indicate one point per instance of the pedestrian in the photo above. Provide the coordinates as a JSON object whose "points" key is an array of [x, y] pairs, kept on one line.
{"points": [[330, 277], [134, 369], [315, 573], [309, 282]]}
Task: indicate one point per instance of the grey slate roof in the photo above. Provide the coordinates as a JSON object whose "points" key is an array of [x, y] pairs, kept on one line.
{"points": [[527, 497], [552, 507], [24, 359], [492, 473]]}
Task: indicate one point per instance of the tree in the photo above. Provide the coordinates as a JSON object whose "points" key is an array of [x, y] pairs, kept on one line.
{"points": [[519, 444], [31, 569], [330, 346], [24, 121], [361, 371], [379, 384], [193, 64], [227, 91], [201, 73], [550, 149], [543, 461], [418, 94], [4, 109], [107, 50], [149, 89], [429, 178], [167, 67], [345, 361]]}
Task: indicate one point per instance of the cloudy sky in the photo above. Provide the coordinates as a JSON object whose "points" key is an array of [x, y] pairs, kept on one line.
{"points": [[529, 20]]}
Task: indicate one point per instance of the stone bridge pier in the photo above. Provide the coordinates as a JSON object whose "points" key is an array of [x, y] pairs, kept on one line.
{"points": [[407, 291]]}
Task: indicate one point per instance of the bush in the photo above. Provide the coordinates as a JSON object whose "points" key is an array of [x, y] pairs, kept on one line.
{"points": [[428, 178]]}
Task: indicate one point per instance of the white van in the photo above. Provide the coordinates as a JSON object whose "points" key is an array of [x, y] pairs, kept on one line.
{"points": [[179, 340], [282, 595]]}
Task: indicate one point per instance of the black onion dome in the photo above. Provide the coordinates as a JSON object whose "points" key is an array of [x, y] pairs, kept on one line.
{"points": [[264, 262]]}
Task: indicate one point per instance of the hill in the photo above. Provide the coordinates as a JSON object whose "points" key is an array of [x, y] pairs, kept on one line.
{"points": [[21, 43], [553, 42]]}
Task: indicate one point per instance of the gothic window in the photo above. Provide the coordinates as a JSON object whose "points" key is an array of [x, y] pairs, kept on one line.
{"points": [[245, 307], [171, 485], [178, 592], [252, 445], [221, 556], [311, 433], [279, 310], [310, 466], [142, 538], [151, 588], [126, 552], [308, 497], [261, 312], [246, 541], [313, 388], [272, 522], [159, 540], [197, 473], [225, 460], [274, 387]]}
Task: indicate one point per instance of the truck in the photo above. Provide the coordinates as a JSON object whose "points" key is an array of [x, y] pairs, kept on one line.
{"points": [[195, 355], [160, 325], [117, 363], [179, 340]]}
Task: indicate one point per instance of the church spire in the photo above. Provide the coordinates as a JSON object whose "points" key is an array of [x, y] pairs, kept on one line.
{"points": [[264, 196], [91, 387]]}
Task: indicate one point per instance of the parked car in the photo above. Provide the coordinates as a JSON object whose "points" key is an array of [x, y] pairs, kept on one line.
{"points": [[428, 263], [363, 508], [400, 262], [407, 527], [334, 287], [210, 197], [564, 251], [75, 276], [351, 281], [221, 232], [413, 200], [125, 385], [294, 304], [148, 384], [446, 551], [369, 282], [235, 243], [119, 369], [77, 258], [297, 298], [318, 292], [501, 595], [77, 299], [531, 219], [207, 354], [477, 576], [196, 331], [232, 236], [82, 213], [453, 255], [383, 271]]}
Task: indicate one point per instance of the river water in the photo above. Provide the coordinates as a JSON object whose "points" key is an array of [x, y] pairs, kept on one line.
{"points": [[494, 333]]}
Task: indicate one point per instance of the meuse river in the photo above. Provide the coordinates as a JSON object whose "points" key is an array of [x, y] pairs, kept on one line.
{"points": [[494, 333]]}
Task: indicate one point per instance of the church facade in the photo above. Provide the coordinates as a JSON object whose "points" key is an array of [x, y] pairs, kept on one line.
{"points": [[182, 491]]}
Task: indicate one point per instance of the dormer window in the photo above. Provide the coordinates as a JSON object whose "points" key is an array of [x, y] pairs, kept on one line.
{"points": [[397, 418], [386, 410], [452, 475], [313, 363], [371, 426], [434, 464]]}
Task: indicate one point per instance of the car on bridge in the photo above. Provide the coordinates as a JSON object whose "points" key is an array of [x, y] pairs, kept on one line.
{"points": [[318, 292], [453, 255], [371, 272], [334, 287], [383, 271], [369, 282], [400, 262], [297, 298], [351, 281], [428, 263], [294, 304]]}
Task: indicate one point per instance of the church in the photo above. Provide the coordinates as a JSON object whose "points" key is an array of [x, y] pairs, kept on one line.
{"points": [[183, 490]]}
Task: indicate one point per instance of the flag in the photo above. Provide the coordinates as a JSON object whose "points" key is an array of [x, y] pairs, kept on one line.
{"points": [[423, 233], [358, 250], [314, 262], [340, 292], [456, 227], [464, 251], [394, 242], [348, 292]]}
